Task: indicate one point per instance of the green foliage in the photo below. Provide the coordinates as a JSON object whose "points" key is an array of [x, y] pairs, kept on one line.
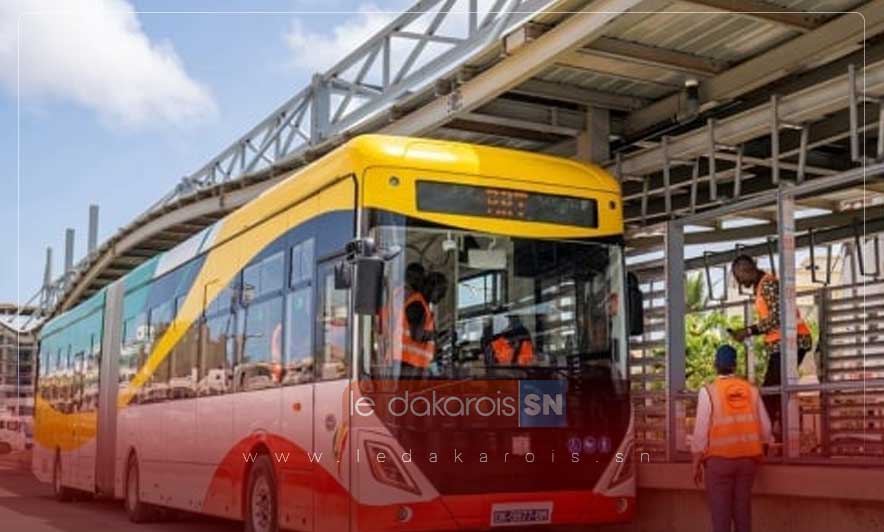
{"points": [[706, 331]]}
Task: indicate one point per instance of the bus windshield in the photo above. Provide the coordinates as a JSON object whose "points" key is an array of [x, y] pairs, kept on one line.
{"points": [[464, 304]]}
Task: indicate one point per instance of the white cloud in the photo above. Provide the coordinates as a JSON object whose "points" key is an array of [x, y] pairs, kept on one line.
{"points": [[95, 54], [316, 50]]}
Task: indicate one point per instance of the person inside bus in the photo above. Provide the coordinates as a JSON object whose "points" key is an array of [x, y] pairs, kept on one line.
{"points": [[511, 346], [419, 342], [412, 340], [766, 288]]}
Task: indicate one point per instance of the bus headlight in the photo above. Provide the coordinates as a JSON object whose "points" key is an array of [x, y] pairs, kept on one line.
{"points": [[385, 469]]}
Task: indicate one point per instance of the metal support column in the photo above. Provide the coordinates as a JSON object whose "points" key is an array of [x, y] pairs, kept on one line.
{"points": [[789, 417], [68, 254], [750, 348], [93, 230], [320, 110], [47, 280], [675, 336], [593, 144], [822, 363]]}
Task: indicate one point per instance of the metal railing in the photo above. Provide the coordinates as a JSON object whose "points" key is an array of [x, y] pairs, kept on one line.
{"points": [[838, 405]]}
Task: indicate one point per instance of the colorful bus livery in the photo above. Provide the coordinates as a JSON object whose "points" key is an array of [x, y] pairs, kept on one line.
{"points": [[241, 374]]}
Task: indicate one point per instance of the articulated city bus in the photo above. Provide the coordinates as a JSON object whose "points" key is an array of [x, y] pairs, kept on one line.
{"points": [[406, 334]]}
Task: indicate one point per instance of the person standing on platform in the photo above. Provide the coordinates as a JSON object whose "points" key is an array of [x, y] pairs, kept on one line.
{"points": [[730, 433], [766, 288]]}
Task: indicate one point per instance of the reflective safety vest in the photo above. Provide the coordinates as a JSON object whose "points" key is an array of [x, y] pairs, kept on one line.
{"points": [[405, 348], [504, 352], [763, 312], [735, 430]]}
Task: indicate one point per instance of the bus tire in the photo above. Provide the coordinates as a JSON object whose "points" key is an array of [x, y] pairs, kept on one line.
{"points": [[262, 510], [61, 492], [137, 510]]}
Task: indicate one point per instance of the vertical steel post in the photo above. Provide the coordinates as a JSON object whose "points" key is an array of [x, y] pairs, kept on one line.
{"points": [[667, 176], [738, 173], [853, 112], [593, 144], [385, 63], [750, 353], [713, 175], [93, 230], [320, 110], [802, 153], [68, 253], [789, 417], [775, 139], [880, 153], [47, 280], [822, 305], [675, 335]]}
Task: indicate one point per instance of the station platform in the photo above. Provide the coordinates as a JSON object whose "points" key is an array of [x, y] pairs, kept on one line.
{"points": [[788, 498]]}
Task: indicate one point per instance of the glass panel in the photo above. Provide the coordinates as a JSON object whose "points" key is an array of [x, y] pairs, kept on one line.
{"points": [[299, 355], [272, 273], [263, 277], [224, 299], [261, 362], [93, 359], [219, 355], [333, 326], [302, 262], [134, 350], [157, 387], [461, 304]]}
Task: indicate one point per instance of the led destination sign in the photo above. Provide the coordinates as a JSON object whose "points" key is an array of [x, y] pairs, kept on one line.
{"points": [[447, 198]]}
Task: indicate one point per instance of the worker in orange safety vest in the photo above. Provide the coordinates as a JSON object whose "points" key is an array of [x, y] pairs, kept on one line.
{"points": [[731, 429], [413, 338], [766, 288], [513, 345]]}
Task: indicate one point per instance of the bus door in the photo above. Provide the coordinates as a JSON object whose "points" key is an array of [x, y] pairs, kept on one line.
{"points": [[331, 417], [298, 376]]}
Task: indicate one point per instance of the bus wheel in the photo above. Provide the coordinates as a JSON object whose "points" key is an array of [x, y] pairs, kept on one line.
{"points": [[138, 511], [62, 494], [261, 505]]}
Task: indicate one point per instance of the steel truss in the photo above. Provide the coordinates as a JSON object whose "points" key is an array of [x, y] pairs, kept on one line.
{"points": [[427, 43]]}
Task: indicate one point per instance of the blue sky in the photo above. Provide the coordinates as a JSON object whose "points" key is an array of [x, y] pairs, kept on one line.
{"points": [[116, 106]]}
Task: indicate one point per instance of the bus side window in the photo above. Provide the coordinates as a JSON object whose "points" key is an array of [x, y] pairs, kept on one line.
{"points": [[157, 387], [132, 354], [299, 311], [333, 324], [218, 343], [79, 362], [260, 316], [184, 357]]}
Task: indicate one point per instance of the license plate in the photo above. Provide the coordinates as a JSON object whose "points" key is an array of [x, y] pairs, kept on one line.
{"points": [[521, 513]]}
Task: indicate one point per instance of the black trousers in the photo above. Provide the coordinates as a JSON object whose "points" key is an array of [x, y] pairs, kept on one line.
{"points": [[772, 378]]}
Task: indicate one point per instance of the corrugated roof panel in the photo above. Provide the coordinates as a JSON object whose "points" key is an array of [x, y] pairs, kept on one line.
{"points": [[707, 33], [593, 80], [834, 6]]}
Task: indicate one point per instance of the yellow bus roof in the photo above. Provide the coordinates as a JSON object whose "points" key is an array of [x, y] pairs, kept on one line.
{"points": [[457, 157]]}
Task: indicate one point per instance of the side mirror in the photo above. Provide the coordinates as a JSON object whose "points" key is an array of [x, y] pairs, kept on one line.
{"points": [[343, 276], [369, 283], [635, 308]]}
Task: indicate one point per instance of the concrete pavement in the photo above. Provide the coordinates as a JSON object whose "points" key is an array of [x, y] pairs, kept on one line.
{"points": [[28, 506]]}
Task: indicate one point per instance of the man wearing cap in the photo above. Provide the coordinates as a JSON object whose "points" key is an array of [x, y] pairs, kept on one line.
{"points": [[729, 436]]}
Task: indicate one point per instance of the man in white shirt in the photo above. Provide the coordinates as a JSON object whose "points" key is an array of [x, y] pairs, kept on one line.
{"points": [[731, 430]]}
